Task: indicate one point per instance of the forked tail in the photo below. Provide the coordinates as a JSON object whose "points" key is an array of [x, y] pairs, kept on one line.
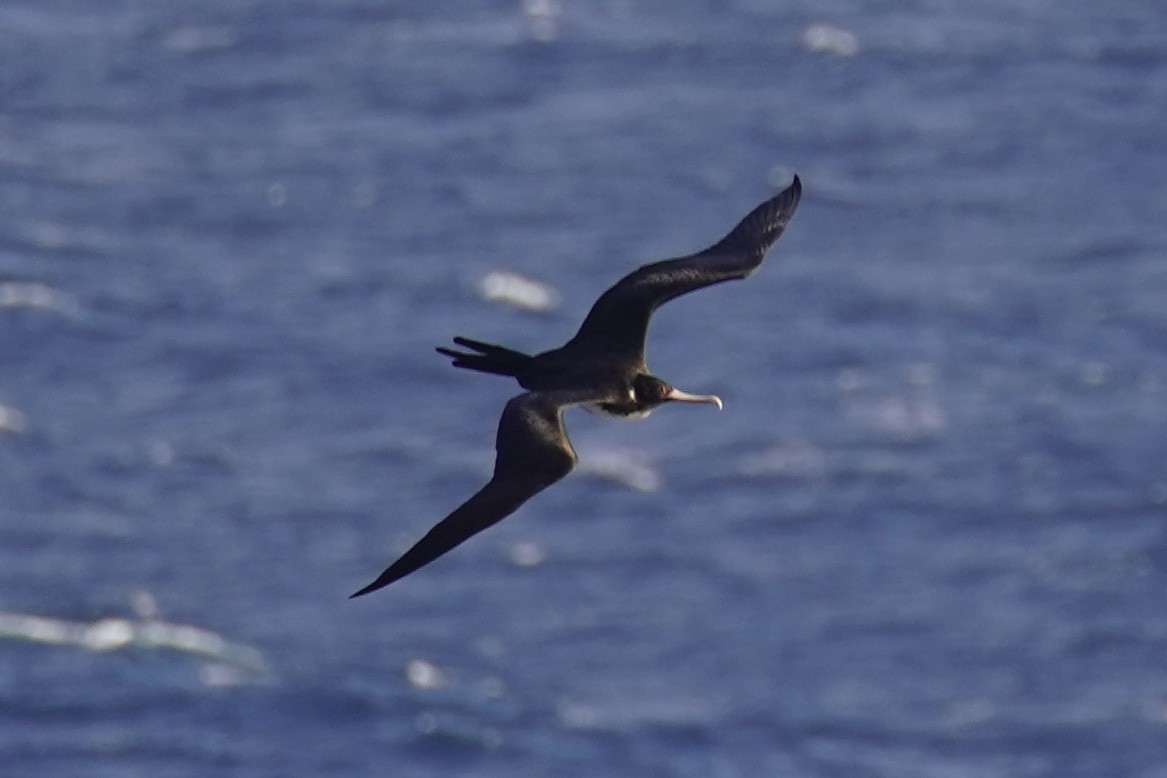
{"points": [[489, 359]]}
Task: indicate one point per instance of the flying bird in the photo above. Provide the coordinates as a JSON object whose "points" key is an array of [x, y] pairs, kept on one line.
{"points": [[602, 368]]}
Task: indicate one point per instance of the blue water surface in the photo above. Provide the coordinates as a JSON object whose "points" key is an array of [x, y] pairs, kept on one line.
{"points": [[926, 537]]}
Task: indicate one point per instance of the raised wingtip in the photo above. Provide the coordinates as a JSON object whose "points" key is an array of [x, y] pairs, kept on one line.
{"points": [[789, 198], [794, 188]]}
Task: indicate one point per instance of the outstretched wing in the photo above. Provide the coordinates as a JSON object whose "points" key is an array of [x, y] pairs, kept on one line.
{"points": [[618, 322], [533, 452]]}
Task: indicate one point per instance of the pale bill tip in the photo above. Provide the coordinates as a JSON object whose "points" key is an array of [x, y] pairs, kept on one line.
{"points": [[677, 395]]}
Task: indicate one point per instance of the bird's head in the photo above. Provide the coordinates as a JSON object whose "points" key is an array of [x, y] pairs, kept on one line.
{"points": [[648, 391]]}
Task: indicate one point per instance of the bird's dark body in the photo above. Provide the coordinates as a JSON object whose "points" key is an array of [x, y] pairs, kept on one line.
{"points": [[602, 368], [613, 380]]}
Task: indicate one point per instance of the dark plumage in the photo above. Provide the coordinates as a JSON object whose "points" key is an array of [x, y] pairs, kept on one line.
{"points": [[601, 368]]}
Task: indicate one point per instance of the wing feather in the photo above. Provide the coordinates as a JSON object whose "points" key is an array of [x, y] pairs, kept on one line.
{"points": [[533, 452], [618, 321]]}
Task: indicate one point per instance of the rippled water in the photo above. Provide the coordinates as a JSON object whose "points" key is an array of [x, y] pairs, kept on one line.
{"points": [[925, 537]]}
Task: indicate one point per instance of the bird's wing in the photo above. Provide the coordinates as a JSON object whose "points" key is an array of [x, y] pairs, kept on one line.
{"points": [[533, 452], [618, 322]]}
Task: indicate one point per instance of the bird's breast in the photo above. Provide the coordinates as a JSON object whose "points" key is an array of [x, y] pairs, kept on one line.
{"points": [[617, 411]]}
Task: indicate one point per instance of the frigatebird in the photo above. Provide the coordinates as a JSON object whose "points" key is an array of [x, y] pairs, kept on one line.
{"points": [[602, 368]]}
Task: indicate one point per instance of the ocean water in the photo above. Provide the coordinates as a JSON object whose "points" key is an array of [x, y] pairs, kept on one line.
{"points": [[926, 536]]}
